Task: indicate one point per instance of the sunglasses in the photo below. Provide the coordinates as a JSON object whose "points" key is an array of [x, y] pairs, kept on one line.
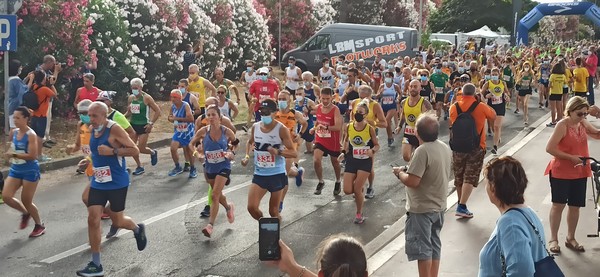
{"points": [[262, 74], [582, 114], [220, 92], [423, 75]]}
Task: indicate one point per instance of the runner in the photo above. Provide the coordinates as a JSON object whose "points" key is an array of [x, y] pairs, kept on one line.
{"points": [[214, 142], [109, 144], [88, 91], [327, 139], [82, 142], [326, 74], [440, 84], [138, 103], [496, 92], [198, 86], [247, 78], [307, 107], [412, 107], [580, 76], [220, 80], [524, 79], [272, 144], [226, 106], [543, 77], [193, 102], [24, 171], [262, 89], [293, 75], [311, 90], [388, 95], [106, 97], [377, 71], [183, 122], [508, 72], [360, 147], [558, 80], [427, 87]]}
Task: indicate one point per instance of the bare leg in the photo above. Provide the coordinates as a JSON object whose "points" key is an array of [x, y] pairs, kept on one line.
{"points": [[27, 199], [317, 163], [572, 219], [555, 218], [359, 183], [255, 194], [11, 186], [465, 193]]}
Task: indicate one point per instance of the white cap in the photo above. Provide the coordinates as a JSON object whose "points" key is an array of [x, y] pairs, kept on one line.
{"points": [[84, 105], [263, 70], [398, 64]]}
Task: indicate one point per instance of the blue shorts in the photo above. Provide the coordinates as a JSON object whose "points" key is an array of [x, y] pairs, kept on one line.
{"points": [[273, 183], [38, 125], [388, 107], [31, 175], [183, 138]]}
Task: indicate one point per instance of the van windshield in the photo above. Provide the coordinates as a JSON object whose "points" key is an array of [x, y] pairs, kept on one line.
{"points": [[319, 42]]}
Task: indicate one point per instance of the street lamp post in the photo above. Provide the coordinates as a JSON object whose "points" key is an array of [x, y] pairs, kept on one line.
{"points": [[279, 36]]}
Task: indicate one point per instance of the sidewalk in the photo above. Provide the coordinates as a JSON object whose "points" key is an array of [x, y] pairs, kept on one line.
{"points": [[463, 239]]}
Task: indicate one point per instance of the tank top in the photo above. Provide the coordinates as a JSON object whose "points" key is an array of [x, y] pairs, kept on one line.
{"points": [[575, 142], [497, 91], [249, 78], [410, 115], [197, 88], [182, 129], [359, 142], [299, 106], [85, 134], [187, 100], [525, 82], [397, 78], [287, 119], [544, 72], [376, 70], [225, 110], [292, 73], [310, 92], [110, 172], [326, 78], [266, 164], [426, 90], [507, 74], [91, 94], [388, 97], [328, 139], [21, 146], [139, 111], [214, 152]]}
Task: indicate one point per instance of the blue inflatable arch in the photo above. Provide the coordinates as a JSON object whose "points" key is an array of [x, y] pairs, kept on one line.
{"points": [[590, 10]]}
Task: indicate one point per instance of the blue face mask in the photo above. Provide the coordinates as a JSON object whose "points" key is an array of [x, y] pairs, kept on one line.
{"points": [[282, 105], [344, 77], [182, 90], [423, 78], [461, 70], [84, 118], [135, 92], [291, 65], [438, 71], [266, 119], [388, 80], [487, 77], [495, 78], [248, 69], [264, 78]]}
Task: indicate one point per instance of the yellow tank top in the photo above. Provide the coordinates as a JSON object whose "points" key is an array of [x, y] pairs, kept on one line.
{"points": [[496, 89], [287, 119], [411, 114], [84, 138], [371, 118], [475, 79], [197, 89], [359, 141]]}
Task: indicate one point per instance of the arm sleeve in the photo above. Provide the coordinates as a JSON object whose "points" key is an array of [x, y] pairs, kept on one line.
{"points": [[516, 247], [418, 163]]}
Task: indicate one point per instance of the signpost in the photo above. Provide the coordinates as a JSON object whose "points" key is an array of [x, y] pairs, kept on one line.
{"points": [[8, 42]]}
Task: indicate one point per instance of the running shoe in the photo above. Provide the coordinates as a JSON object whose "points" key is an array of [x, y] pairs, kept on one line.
{"points": [[47, 144], [112, 232], [337, 188], [205, 212], [51, 142], [186, 167], [495, 150], [230, 214], [517, 111], [300, 176], [541, 106], [154, 157], [91, 270], [193, 173], [320, 186], [140, 237], [105, 216], [24, 221], [280, 206], [138, 171], [390, 142], [359, 219], [175, 171], [463, 212], [38, 230], [207, 231], [546, 104], [245, 128], [370, 193], [551, 124]]}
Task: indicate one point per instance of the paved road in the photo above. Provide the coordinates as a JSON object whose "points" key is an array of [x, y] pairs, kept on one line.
{"points": [[170, 208]]}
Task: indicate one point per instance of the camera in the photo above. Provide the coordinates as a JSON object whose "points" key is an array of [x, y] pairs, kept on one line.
{"points": [[62, 65]]}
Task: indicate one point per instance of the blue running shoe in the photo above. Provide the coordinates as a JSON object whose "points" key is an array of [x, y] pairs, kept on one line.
{"points": [[91, 270], [463, 212], [154, 157], [140, 237], [138, 171], [193, 173], [280, 206], [175, 171], [206, 212], [300, 176], [112, 232]]}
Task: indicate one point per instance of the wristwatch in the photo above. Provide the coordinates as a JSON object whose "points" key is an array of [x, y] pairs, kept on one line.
{"points": [[116, 151]]}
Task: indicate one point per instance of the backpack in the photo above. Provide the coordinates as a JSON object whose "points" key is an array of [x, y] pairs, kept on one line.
{"points": [[30, 100], [463, 134]]}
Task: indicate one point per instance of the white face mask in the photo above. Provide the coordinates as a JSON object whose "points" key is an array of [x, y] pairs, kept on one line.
{"points": [[299, 98], [99, 129]]}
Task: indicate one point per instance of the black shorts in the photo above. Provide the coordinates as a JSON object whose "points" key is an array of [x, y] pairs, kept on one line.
{"points": [[499, 108], [410, 139], [327, 152], [247, 97], [354, 165], [568, 191], [581, 94], [272, 183], [439, 97], [38, 124], [510, 85], [523, 92], [139, 129], [555, 97], [307, 136], [116, 197], [224, 172]]}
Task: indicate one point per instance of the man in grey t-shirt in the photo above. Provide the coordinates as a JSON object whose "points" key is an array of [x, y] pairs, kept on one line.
{"points": [[426, 180]]}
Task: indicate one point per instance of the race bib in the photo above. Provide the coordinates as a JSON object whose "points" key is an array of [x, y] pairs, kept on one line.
{"points": [[264, 159], [16, 161], [102, 174], [525, 83], [565, 86], [134, 108], [496, 100], [387, 100], [439, 90], [181, 127], [544, 77], [360, 152], [409, 130], [506, 78], [85, 149], [215, 156], [323, 133]]}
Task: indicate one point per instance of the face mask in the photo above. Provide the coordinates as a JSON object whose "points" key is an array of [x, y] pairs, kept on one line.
{"points": [[546, 62], [468, 61], [390, 66], [182, 90], [307, 84], [135, 92], [99, 129], [340, 63], [84, 118], [397, 70], [495, 78], [344, 77], [487, 77], [266, 119], [359, 117], [194, 75], [326, 65], [339, 74], [444, 64], [423, 78], [388, 80], [299, 98], [282, 104], [438, 71], [248, 69], [461, 70], [526, 68], [291, 65], [264, 78]]}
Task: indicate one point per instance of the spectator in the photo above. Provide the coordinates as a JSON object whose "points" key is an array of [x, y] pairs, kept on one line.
{"points": [[76, 79], [52, 69], [192, 53], [88, 91], [467, 166], [426, 180], [514, 240], [591, 64], [338, 255], [16, 89], [45, 91]]}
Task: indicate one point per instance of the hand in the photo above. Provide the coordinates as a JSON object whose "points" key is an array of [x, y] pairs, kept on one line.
{"points": [[148, 128], [488, 96], [170, 117], [245, 161], [341, 157], [272, 151], [396, 170], [576, 161], [105, 150], [229, 156], [370, 153], [83, 164], [304, 110], [254, 100], [69, 149], [397, 130], [287, 263], [311, 131], [9, 154], [57, 67]]}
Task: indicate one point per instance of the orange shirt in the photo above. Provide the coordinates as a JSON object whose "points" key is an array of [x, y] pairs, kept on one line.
{"points": [[481, 114], [44, 95]]}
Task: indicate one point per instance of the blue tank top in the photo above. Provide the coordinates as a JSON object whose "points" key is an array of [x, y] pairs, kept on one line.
{"points": [[308, 117], [182, 129], [110, 172], [388, 97], [21, 146], [214, 152], [186, 99], [266, 164], [310, 93], [341, 90]]}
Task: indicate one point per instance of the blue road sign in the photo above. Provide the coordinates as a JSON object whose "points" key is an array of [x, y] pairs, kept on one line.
{"points": [[8, 33]]}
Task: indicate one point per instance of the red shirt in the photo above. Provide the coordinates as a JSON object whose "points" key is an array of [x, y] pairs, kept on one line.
{"points": [[328, 139], [574, 142], [591, 64], [90, 94], [262, 90]]}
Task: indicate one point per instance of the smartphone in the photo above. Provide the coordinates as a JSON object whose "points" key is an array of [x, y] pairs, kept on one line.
{"points": [[268, 239]]}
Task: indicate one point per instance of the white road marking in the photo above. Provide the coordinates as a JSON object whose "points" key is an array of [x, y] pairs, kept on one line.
{"points": [[148, 221]]}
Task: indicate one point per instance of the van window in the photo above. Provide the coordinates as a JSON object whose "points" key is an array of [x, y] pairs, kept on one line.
{"points": [[319, 42]]}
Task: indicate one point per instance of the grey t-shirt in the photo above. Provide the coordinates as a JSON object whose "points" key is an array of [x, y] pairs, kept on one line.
{"points": [[432, 161]]}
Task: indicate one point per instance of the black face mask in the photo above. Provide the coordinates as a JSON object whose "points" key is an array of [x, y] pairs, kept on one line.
{"points": [[398, 70], [359, 117]]}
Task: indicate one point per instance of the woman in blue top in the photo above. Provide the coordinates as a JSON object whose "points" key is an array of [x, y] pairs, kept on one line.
{"points": [[513, 240], [214, 144], [24, 171]]}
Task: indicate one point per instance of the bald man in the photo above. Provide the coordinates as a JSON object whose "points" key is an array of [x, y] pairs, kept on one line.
{"points": [[412, 107]]}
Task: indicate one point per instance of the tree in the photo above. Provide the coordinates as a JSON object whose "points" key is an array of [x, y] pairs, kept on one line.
{"points": [[323, 13], [253, 33], [400, 13], [359, 11]]}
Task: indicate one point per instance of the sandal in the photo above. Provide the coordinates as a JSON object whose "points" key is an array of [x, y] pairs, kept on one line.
{"points": [[574, 245], [553, 246]]}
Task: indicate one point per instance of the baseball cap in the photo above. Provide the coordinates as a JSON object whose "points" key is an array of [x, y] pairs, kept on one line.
{"points": [[106, 95], [269, 104], [84, 105], [263, 70], [291, 58]]}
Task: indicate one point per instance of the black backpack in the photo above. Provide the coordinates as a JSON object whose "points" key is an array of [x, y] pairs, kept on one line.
{"points": [[30, 100], [463, 134]]}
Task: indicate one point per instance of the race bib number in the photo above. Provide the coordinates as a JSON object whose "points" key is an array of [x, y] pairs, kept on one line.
{"points": [[506, 78], [439, 90], [496, 100], [181, 127], [134, 108], [102, 174], [360, 152], [85, 149], [215, 156], [323, 133], [264, 159], [525, 83], [544, 77], [387, 100], [409, 130], [16, 161]]}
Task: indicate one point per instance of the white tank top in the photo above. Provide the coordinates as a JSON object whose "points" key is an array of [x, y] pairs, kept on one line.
{"points": [[250, 78], [225, 110], [292, 74], [326, 78]]}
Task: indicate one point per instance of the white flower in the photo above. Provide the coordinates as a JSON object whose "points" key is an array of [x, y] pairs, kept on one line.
{"points": [[127, 61], [135, 48], [125, 80], [119, 49], [111, 43], [118, 39]]}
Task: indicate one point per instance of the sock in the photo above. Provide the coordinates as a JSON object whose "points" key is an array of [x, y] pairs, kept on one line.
{"points": [[209, 194], [192, 168], [337, 181], [177, 165], [136, 230], [96, 258]]}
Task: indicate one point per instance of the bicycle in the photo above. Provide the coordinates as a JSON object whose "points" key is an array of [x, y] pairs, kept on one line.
{"points": [[595, 166]]}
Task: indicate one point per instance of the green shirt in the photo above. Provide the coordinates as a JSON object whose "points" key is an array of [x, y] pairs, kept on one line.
{"points": [[439, 80], [139, 111]]}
